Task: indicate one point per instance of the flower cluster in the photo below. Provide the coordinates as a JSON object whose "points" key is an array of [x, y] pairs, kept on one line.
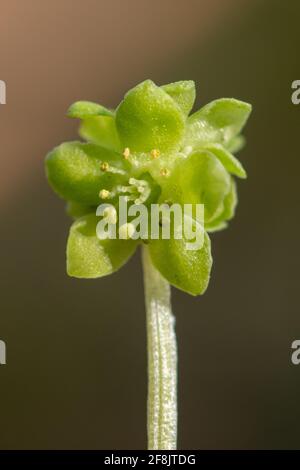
{"points": [[149, 150]]}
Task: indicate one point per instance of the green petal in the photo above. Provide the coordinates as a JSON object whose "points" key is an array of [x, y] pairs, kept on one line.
{"points": [[188, 270], [198, 179], [229, 206], [89, 257], [231, 163], [183, 93], [218, 121], [74, 172], [148, 118], [102, 131], [86, 109]]}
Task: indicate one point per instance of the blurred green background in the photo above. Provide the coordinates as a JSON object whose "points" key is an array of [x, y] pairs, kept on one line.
{"points": [[76, 350]]}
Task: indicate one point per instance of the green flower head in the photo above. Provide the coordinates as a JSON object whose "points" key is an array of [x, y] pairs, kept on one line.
{"points": [[149, 150]]}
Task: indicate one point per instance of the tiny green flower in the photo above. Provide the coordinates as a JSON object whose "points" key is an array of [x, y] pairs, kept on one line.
{"points": [[151, 151]]}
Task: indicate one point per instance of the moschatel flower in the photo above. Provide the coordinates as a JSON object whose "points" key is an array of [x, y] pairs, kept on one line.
{"points": [[149, 150]]}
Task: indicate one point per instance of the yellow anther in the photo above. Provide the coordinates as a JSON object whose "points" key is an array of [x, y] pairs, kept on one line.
{"points": [[126, 231], [126, 153], [110, 214], [164, 172], [155, 153], [168, 202], [104, 194], [104, 166]]}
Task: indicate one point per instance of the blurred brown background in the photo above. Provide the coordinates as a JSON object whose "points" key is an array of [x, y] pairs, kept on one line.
{"points": [[76, 350]]}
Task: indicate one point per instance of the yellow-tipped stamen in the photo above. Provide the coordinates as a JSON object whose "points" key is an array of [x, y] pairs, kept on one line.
{"points": [[155, 153], [111, 215], [126, 153], [126, 231], [104, 166], [104, 194], [164, 172]]}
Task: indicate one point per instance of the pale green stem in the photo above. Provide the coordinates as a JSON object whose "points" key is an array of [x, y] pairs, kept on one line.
{"points": [[162, 359]]}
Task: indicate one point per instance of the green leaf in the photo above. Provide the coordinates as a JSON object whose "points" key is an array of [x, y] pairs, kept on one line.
{"points": [[86, 109], [148, 118], [74, 171], [229, 206], [102, 131], [188, 270], [198, 179], [231, 163], [183, 93], [218, 122], [89, 257]]}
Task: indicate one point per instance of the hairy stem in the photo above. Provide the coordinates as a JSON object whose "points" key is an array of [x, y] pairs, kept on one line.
{"points": [[162, 360]]}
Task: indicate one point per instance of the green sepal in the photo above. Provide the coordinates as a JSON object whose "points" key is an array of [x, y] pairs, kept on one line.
{"points": [[87, 109], [200, 178], [76, 210], [74, 171], [188, 270], [231, 163], [183, 93], [219, 122], [88, 257], [102, 131], [236, 144], [217, 227], [148, 118], [229, 206]]}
